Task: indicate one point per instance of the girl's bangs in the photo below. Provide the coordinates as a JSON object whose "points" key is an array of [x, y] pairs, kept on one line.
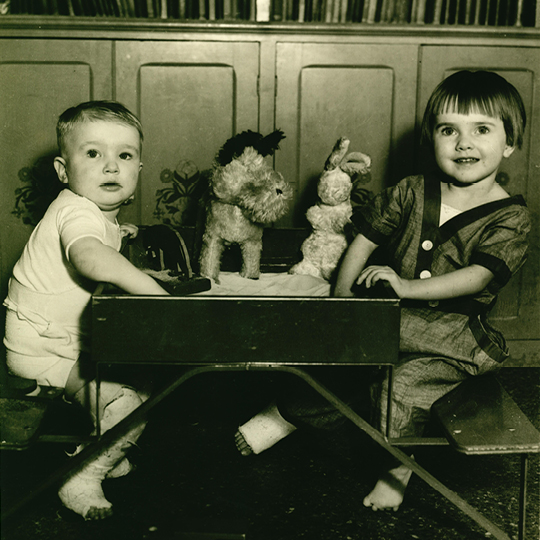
{"points": [[468, 104]]}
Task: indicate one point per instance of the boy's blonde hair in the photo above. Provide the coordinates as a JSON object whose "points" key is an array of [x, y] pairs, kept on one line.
{"points": [[484, 92], [92, 111]]}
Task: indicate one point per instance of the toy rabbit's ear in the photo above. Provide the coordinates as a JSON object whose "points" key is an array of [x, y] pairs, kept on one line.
{"points": [[355, 163], [338, 152]]}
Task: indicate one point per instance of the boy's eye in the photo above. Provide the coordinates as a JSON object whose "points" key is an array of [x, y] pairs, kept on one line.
{"points": [[92, 153], [126, 156]]}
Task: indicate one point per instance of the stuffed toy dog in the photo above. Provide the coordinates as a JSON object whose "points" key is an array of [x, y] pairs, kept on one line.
{"points": [[245, 193], [324, 247]]}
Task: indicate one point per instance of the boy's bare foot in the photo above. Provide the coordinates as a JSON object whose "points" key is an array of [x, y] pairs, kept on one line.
{"points": [[389, 491]]}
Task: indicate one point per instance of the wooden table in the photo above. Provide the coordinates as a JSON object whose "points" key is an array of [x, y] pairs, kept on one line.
{"points": [[256, 333]]}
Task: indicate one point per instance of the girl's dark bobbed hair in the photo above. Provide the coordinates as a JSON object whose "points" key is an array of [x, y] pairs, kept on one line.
{"points": [[482, 92]]}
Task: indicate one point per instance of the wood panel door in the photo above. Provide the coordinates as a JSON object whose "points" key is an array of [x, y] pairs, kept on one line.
{"points": [[517, 312], [39, 79], [191, 96], [366, 93]]}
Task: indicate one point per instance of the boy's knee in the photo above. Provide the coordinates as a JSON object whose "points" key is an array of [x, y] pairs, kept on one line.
{"points": [[115, 400], [125, 401]]}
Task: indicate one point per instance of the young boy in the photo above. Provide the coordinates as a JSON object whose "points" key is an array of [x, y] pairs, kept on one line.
{"points": [[75, 245]]}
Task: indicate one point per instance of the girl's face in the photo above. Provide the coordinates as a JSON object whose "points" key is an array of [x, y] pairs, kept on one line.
{"points": [[102, 163], [470, 147]]}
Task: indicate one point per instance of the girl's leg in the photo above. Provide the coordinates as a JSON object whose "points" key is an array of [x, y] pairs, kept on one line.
{"points": [[418, 383], [82, 491], [299, 405], [263, 431]]}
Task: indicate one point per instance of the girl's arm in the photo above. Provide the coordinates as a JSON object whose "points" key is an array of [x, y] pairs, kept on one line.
{"points": [[94, 260], [462, 282], [353, 263]]}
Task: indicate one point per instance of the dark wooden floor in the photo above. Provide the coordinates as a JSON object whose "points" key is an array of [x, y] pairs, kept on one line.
{"points": [[190, 477]]}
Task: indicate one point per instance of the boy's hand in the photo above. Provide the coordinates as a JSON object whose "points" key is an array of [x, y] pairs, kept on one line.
{"points": [[128, 229]]}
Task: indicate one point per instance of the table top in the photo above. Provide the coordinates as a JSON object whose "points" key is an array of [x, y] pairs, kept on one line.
{"points": [[249, 330]]}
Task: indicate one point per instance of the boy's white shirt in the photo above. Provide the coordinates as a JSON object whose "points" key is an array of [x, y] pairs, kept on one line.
{"points": [[43, 266]]}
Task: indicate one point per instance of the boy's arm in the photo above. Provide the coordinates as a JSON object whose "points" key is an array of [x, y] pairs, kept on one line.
{"points": [[128, 229], [353, 263], [462, 282], [94, 260]]}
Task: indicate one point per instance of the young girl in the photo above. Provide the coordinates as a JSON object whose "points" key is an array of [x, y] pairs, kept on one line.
{"points": [[452, 239], [74, 246]]}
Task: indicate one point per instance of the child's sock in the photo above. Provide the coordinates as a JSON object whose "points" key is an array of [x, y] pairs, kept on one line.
{"points": [[262, 431], [122, 468], [390, 489], [81, 491]]}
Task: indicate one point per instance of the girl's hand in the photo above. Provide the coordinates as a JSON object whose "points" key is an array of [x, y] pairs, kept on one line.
{"points": [[128, 229], [372, 274], [343, 293]]}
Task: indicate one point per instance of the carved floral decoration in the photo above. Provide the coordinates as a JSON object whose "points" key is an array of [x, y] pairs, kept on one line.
{"points": [[178, 203], [40, 187]]}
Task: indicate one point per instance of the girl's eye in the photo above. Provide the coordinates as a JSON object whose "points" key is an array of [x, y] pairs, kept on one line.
{"points": [[483, 130], [125, 156], [447, 131], [92, 153]]}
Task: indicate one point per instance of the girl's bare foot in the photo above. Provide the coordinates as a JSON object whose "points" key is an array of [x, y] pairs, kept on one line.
{"points": [[241, 444], [389, 491], [262, 431]]}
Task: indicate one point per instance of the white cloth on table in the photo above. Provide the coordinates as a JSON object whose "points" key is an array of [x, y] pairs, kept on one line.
{"points": [[268, 284]]}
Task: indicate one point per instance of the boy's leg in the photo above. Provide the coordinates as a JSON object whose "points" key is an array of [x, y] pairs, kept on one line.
{"points": [[81, 374], [82, 490], [417, 384]]}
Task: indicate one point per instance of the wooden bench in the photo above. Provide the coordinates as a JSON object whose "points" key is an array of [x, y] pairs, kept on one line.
{"points": [[23, 407], [479, 417], [21, 418]]}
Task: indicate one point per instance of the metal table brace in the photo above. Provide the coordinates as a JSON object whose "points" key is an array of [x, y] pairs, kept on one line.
{"points": [[123, 426]]}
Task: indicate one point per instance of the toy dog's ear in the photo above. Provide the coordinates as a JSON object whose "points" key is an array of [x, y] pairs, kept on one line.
{"points": [[269, 144], [236, 145], [355, 163], [337, 155]]}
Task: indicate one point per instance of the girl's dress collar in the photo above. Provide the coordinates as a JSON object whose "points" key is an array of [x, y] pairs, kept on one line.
{"points": [[432, 203]]}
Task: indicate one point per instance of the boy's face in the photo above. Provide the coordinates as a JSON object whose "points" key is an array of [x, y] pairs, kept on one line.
{"points": [[470, 147], [102, 162]]}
